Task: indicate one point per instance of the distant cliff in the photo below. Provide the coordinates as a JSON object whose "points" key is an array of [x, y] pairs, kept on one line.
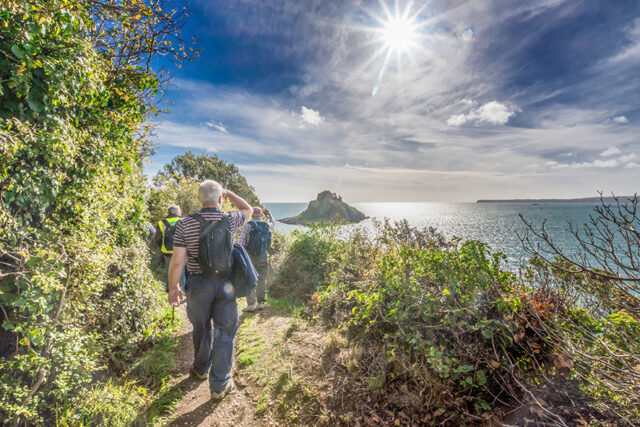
{"points": [[591, 200], [327, 207]]}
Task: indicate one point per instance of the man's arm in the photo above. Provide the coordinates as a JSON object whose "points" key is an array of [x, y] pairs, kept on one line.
{"points": [[238, 203], [271, 221], [175, 272]]}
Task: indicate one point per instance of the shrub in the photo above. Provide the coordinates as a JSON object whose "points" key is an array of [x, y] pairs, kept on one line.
{"points": [[306, 266], [76, 294], [442, 332]]}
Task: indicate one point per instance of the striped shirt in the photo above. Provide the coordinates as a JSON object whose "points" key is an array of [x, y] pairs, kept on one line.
{"points": [[188, 229], [246, 231]]}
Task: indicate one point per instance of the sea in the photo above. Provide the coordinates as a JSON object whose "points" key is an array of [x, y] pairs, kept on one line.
{"points": [[497, 224]]}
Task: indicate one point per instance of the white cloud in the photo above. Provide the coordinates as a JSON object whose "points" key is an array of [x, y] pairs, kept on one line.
{"points": [[612, 151], [598, 163], [218, 126], [621, 119], [310, 116], [611, 163], [629, 53], [627, 158], [457, 120], [493, 112]]}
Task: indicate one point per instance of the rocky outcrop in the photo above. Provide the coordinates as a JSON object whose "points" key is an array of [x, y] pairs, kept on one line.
{"points": [[327, 208]]}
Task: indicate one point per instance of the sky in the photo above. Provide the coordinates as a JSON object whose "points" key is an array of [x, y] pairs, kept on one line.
{"points": [[440, 100]]}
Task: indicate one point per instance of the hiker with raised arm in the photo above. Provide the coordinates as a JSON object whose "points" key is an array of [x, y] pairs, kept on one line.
{"points": [[163, 239], [205, 240], [256, 238]]}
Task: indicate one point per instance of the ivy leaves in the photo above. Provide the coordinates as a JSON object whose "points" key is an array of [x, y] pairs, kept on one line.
{"points": [[19, 52]]}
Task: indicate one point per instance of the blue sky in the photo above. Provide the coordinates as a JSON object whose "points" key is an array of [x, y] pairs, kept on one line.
{"points": [[491, 99]]}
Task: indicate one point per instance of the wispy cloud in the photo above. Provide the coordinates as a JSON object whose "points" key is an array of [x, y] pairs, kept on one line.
{"points": [[610, 152], [455, 118], [218, 126]]}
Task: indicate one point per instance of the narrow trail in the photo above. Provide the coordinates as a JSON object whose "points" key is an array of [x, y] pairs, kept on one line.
{"points": [[238, 408]]}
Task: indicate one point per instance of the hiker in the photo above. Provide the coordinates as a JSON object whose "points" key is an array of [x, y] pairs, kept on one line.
{"points": [[256, 238], [163, 238], [205, 239]]}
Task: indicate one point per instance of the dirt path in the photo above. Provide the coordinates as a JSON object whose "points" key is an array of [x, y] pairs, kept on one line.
{"points": [[239, 407]]}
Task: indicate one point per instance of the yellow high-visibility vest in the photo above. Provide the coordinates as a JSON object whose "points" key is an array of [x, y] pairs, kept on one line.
{"points": [[172, 221]]}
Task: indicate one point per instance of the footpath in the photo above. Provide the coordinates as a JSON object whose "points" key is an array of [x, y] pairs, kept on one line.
{"points": [[277, 357]]}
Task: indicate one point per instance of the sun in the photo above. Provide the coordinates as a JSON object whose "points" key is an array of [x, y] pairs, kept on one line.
{"points": [[399, 34]]}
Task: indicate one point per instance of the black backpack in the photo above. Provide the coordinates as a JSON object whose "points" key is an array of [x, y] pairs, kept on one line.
{"points": [[259, 239], [169, 232], [215, 248]]}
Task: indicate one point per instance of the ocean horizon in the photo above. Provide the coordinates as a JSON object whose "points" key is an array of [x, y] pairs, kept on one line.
{"points": [[496, 224]]}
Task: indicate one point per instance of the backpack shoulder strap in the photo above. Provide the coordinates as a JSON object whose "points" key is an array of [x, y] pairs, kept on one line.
{"points": [[205, 225], [198, 218]]}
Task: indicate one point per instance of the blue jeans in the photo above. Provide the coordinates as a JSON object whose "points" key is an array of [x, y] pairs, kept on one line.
{"points": [[215, 300]]}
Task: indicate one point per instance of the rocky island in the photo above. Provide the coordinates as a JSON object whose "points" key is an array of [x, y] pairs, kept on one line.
{"points": [[328, 207]]}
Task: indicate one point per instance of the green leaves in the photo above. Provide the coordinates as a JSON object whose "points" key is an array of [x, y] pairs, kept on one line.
{"points": [[481, 378], [72, 211], [35, 104], [18, 51]]}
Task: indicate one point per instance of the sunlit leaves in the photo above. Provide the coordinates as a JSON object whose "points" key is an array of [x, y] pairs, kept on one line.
{"points": [[72, 207]]}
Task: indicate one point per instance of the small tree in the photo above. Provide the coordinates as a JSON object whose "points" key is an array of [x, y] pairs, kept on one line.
{"points": [[608, 260], [188, 165], [180, 191], [597, 290]]}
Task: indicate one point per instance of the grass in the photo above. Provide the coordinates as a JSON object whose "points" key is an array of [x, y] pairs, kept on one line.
{"points": [[151, 369], [114, 403], [286, 306], [140, 397], [268, 363], [250, 344]]}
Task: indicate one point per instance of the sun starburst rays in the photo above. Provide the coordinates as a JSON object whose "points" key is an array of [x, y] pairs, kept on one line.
{"points": [[398, 32]]}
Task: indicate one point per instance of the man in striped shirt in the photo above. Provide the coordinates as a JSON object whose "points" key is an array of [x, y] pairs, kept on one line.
{"points": [[208, 299]]}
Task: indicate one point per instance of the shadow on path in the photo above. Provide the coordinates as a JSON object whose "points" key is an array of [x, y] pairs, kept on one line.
{"points": [[195, 417]]}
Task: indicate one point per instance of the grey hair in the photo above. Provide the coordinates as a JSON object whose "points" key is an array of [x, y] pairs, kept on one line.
{"points": [[174, 210], [209, 192]]}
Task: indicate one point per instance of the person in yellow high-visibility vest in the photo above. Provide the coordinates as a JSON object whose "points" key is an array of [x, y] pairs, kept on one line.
{"points": [[164, 239]]}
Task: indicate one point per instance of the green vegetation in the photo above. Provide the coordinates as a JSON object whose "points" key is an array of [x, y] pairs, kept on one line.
{"points": [[264, 354], [441, 332], [142, 396], [78, 302], [250, 345], [179, 191], [188, 166]]}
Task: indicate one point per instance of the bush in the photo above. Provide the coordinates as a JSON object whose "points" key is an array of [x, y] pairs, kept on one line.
{"points": [[441, 332], [76, 294], [307, 264]]}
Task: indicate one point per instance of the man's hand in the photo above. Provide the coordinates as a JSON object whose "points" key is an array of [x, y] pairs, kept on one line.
{"points": [[175, 271], [238, 202], [176, 296]]}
